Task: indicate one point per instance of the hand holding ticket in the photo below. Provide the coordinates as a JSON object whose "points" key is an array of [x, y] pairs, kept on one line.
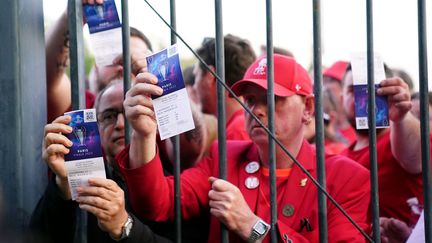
{"points": [[359, 70], [85, 157], [172, 108]]}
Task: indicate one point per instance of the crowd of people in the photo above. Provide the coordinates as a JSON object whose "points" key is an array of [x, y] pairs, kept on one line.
{"points": [[136, 201]]}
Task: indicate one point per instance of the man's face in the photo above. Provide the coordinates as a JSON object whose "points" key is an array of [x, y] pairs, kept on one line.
{"points": [[105, 74], [205, 90], [112, 120], [289, 116], [348, 98], [333, 86]]}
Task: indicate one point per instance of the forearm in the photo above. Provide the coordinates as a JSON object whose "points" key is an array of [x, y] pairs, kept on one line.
{"points": [[57, 56], [57, 49], [142, 149], [406, 144]]}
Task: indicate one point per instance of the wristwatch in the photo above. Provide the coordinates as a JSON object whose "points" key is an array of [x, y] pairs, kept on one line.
{"points": [[127, 227], [259, 230]]}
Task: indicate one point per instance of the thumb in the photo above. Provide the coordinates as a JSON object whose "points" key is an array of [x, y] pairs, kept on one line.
{"points": [[212, 179]]}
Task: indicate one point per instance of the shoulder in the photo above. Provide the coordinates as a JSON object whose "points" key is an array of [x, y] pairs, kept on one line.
{"points": [[235, 149], [342, 166]]}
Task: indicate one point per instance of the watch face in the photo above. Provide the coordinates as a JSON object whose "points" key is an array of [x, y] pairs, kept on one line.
{"points": [[261, 228]]}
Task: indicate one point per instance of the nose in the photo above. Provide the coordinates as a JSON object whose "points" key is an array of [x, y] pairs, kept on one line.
{"points": [[259, 109], [120, 121]]}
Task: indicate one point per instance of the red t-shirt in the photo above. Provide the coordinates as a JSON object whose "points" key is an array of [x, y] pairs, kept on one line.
{"points": [[395, 185], [235, 127]]}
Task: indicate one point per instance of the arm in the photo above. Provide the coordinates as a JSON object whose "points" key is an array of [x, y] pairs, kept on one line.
{"points": [[140, 113], [56, 58], [106, 200], [54, 216], [228, 205], [405, 128], [57, 55], [151, 193]]}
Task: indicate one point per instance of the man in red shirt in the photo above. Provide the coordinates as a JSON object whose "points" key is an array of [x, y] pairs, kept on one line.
{"points": [[242, 201], [238, 56], [398, 148]]}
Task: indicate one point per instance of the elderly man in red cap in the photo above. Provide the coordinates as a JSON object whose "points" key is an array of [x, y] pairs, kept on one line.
{"points": [[242, 202]]}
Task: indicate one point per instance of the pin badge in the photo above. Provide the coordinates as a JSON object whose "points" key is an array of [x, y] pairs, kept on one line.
{"points": [[252, 182], [288, 210], [303, 182], [252, 167]]}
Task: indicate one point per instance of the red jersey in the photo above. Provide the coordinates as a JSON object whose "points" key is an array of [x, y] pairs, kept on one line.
{"points": [[347, 182], [235, 127], [395, 185]]}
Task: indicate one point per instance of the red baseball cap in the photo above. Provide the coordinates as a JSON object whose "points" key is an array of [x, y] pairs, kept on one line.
{"points": [[290, 78], [337, 70]]}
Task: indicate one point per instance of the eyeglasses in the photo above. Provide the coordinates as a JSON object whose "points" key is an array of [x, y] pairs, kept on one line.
{"points": [[109, 116]]}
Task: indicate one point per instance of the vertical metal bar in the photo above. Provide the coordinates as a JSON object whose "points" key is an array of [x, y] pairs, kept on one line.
{"points": [[372, 123], [220, 70], [424, 118], [23, 115], [177, 162], [319, 122], [271, 107], [126, 57], [76, 50], [77, 74]]}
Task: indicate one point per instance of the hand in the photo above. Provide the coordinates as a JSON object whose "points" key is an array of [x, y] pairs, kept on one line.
{"points": [[92, 1], [104, 199], [399, 97], [55, 146], [393, 230], [138, 104], [228, 205], [138, 60]]}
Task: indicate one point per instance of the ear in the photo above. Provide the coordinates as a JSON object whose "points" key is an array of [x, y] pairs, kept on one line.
{"points": [[309, 110], [209, 76]]}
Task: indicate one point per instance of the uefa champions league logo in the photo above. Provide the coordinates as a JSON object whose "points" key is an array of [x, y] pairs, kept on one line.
{"points": [[79, 131]]}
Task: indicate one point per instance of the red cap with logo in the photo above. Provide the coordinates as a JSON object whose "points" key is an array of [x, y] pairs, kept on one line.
{"points": [[289, 77], [337, 70]]}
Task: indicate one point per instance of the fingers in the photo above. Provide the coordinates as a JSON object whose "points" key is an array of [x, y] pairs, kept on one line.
{"points": [[138, 62], [137, 106], [105, 183], [92, 1], [59, 125], [57, 138], [220, 185], [146, 77], [394, 86], [145, 89], [54, 150], [102, 194]]}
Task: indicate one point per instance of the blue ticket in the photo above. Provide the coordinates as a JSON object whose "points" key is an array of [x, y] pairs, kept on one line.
{"points": [[172, 108], [361, 108], [102, 17], [85, 159]]}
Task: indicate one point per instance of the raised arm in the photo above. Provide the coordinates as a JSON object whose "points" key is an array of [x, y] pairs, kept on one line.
{"points": [[57, 60], [140, 113], [405, 128], [57, 56]]}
